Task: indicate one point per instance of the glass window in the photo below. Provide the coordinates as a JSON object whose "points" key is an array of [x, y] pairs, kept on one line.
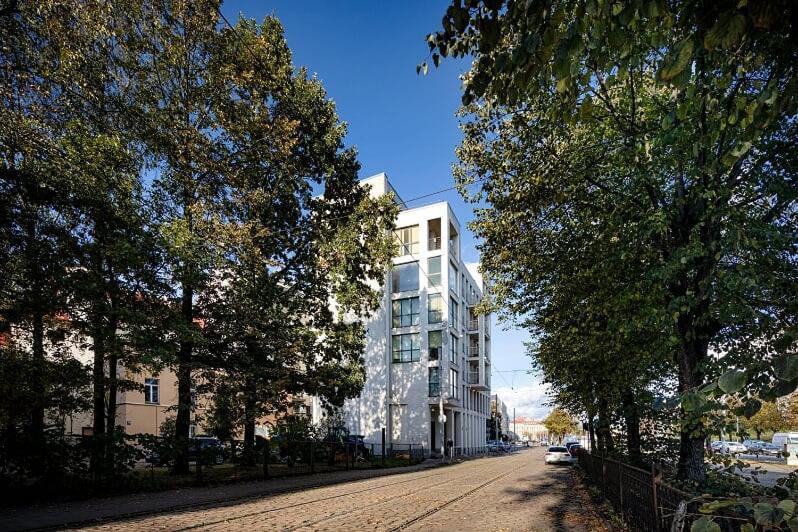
{"points": [[406, 347], [453, 387], [452, 348], [407, 240], [405, 277], [435, 340], [452, 278], [405, 312], [434, 271], [452, 313], [434, 381], [151, 394], [434, 308]]}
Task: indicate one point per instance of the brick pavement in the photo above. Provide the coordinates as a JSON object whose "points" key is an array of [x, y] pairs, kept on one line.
{"points": [[515, 492]]}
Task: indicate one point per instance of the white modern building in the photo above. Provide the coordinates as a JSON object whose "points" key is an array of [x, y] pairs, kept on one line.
{"points": [[427, 355]]}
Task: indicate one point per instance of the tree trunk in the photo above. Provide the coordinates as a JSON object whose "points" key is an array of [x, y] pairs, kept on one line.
{"points": [[605, 443], [591, 430], [691, 444], [37, 409], [98, 393], [632, 421], [184, 366], [110, 427], [250, 404]]}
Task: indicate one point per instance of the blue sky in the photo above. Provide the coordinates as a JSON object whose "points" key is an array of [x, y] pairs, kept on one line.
{"points": [[365, 53]]}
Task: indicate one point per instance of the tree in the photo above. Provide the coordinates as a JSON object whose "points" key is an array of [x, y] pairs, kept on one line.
{"points": [[661, 127], [768, 419], [288, 253], [559, 424]]}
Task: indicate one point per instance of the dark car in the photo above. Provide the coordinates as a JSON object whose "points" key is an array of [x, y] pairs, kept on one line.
{"points": [[210, 449]]}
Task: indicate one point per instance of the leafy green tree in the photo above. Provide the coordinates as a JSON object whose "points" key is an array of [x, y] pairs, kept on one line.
{"points": [[289, 254], [768, 419], [668, 123], [559, 424]]}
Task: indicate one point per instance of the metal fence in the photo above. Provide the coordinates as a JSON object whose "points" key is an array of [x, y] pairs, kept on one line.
{"points": [[645, 502]]}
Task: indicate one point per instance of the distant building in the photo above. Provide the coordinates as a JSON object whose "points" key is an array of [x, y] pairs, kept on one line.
{"points": [[529, 429], [498, 411], [427, 353]]}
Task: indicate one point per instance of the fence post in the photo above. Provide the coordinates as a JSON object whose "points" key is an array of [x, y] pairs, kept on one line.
{"points": [[654, 498], [603, 475], [266, 452], [620, 485]]}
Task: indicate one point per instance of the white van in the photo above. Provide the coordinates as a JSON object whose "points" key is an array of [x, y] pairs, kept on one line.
{"points": [[782, 438]]}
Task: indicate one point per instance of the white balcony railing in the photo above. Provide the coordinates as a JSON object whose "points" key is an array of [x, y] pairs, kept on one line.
{"points": [[434, 243], [473, 324], [473, 351]]}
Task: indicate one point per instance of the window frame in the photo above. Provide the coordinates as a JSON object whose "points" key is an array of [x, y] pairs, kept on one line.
{"points": [[396, 277], [430, 297], [152, 387], [414, 317], [439, 347], [397, 356], [407, 247]]}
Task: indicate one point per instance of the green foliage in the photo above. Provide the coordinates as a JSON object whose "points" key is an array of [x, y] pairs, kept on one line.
{"points": [[637, 205], [559, 423]]}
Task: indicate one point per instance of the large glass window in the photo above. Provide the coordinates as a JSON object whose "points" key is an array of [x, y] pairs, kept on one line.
{"points": [[453, 387], [434, 308], [434, 381], [452, 278], [406, 347], [453, 348], [405, 277], [407, 240], [434, 271], [151, 391], [452, 312], [405, 312], [435, 341]]}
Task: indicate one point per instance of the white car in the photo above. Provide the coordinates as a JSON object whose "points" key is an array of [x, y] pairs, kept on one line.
{"points": [[558, 455], [732, 447]]}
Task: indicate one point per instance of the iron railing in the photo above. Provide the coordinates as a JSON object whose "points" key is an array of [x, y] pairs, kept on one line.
{"points": [[645, 502]]}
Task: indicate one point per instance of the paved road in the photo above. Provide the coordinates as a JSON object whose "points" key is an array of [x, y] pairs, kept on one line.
{"points": [[515, 492]]}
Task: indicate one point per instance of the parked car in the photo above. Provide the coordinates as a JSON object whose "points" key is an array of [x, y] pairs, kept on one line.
{"points": [[753, 446], [573, 449], [770, 450], [782, 438], [716, 445], [732, 448], [209, 448], [498, 445], [558, 455], [570, 444]]}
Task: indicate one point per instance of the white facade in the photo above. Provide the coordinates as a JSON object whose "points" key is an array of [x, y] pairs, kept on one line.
{"points": [[425, 347]]}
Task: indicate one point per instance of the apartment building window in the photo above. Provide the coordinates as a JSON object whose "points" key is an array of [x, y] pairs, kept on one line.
{"points": [[452, 348], [407, 240], [435, 341], [453, 387], [405, 277], [151, 391], [434, 271], [434, 308], [405, 312], [406, 347], [434, 381], [452, 312], [452, 278]]}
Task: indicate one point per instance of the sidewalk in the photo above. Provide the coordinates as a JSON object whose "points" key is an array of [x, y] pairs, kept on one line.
{"points": [[63, 514]]}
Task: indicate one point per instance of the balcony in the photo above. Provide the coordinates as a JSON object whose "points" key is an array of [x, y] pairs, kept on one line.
{"points": [[434, 243], [473, 324], [434, 389], [473, 381], [473, 351]]}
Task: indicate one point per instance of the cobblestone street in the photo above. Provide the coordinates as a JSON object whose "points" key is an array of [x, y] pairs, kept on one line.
{"points": [[515, 492]]}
